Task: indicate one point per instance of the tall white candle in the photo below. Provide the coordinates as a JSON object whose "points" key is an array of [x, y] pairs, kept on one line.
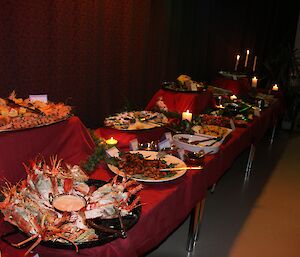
{"points": [[187, 116], [254, 82], [254, 63], [237, 62], [247, 56]]}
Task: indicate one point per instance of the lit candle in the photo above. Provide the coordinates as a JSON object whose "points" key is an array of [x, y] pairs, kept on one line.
{"points": [[275, 87], [111, 142], [254, 63], [237, 62], [254, 82], [187, 116], [233, 97], [247, 56]]}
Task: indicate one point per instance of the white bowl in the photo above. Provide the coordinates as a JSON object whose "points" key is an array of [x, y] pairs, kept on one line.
{"points": [[199, 147]]}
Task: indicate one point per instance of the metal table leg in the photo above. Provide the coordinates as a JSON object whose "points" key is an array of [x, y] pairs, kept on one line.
{"points": [[213, 187], [273, 133], [195, 220], [249, 163], [252, 157]]}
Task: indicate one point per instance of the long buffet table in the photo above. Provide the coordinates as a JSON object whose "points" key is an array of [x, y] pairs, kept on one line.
{"points": [[165, 205]]}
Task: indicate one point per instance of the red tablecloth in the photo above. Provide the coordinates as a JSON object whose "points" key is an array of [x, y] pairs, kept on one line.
{"points": [[68, 139], [238, 87], [181, 101]]}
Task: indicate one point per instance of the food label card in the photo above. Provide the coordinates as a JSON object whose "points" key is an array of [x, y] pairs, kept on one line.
{"points": [[181, 154], [168, 136], [256, 111], [134, 145], [164, 144], [113, 152], [42, 98]]}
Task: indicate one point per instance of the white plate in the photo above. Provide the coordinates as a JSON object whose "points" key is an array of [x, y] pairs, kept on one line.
{"points": [[199, 147], [152, 155], [121, 121]]}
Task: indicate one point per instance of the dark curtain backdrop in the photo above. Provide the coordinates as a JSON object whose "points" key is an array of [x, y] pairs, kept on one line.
{"points": [[102, 55]]}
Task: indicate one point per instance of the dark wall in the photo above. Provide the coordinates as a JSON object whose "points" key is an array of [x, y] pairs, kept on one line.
{"points": [[103, 54]]}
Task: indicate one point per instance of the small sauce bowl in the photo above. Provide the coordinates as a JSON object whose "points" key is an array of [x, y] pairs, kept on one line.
{"points": [[68, 203], [194, 158]]}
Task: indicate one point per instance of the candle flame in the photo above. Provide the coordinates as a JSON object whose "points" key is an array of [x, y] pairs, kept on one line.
{"points": [[248, 51], [238, 57], [187, 111]]}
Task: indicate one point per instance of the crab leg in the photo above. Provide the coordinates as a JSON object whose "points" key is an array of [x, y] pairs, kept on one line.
{"points": [[129, 183], [114, 180], [36, 243], [134, 190], [25, 241], [72, 242]]}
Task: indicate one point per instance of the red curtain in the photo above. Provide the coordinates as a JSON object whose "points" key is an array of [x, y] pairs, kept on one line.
{"points": [[104, 54], [89, 51]]}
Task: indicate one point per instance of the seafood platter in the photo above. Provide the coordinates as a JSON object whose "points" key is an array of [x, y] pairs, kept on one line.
{"points": [[17, 113], [58, 206], [136, 120], [147, 166]]}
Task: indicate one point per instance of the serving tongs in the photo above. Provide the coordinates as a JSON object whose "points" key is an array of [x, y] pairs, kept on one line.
{"points": [[215, 141], [107, 230], [147, 119], [13, 103], [119, 233], [183, 168], [150, 120], [209, 139]]}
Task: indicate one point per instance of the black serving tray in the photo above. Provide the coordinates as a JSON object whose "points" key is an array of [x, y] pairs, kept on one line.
{"points": [[128, 221]]}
